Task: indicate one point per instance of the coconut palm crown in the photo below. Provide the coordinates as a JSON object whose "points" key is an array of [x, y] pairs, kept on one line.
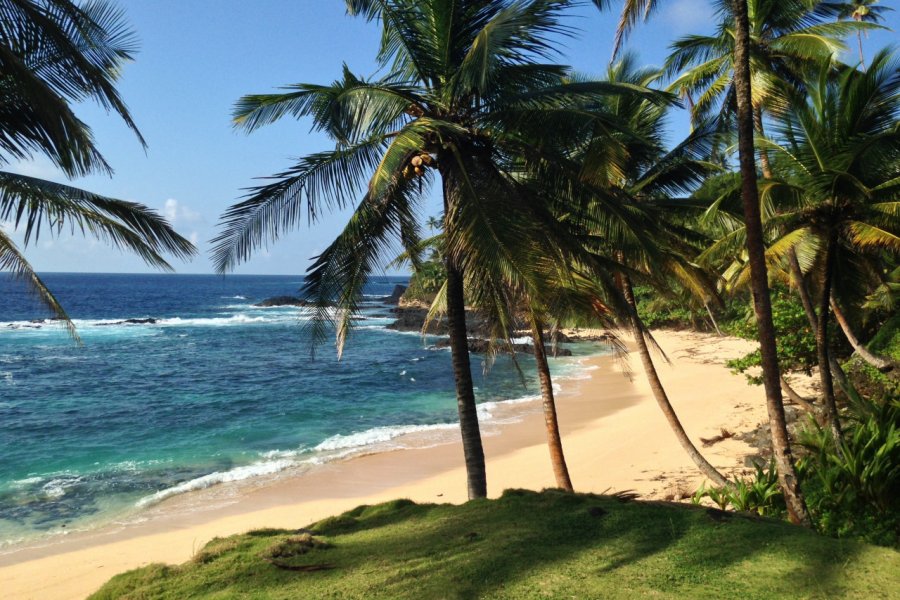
{"points": [[785, 37]]}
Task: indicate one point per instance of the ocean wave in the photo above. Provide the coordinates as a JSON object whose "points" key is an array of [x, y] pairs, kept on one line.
{"points": [[199, 483], [115, 325], [377, 435]]}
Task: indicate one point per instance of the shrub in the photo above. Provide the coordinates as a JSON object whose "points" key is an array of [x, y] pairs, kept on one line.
{"points": [[856, 493]]}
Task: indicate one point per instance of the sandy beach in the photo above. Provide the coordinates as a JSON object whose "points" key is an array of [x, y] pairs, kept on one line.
{"points": [[614, 435]]}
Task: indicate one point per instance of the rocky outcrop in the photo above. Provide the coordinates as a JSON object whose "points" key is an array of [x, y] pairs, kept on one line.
{"points": [[283, 301], [410, 318], [147, 321], [395, 296]]}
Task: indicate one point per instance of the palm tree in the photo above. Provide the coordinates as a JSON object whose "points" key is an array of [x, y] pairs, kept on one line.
{"points": [[785, 36], [839, 197], [651, 174], [632, 11], [863, 11], [759, 284], [53, 52], [467, 93]]}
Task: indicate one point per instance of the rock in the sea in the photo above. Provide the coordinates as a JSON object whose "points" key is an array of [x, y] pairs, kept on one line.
{"points": [[283, 301], [147, 321], [412, 318], [395, 296]]}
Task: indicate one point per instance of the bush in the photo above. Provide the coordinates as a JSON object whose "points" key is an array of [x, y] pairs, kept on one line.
{"points": [[760, 495], [856, 493], [426, 282], [795, 342]]}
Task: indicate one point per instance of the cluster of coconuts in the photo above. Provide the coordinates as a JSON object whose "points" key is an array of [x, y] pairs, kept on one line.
{"points": [[417, 165]]}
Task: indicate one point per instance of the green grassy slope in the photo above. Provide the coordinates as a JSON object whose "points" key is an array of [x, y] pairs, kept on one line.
{"points": [[526, 545]]}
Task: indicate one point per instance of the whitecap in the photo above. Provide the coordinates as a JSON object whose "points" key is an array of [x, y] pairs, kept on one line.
{"points": [[200, 483], [376, 435]]}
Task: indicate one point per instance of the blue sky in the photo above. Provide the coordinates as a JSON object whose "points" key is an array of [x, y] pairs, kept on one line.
{"points": [[198, 57]]}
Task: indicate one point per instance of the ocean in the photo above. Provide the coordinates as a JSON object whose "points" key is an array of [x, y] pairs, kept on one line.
{"points": [[214, 390]]}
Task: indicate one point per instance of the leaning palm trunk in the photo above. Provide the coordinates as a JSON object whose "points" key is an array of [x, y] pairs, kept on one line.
{"points": [[554, 442], [659, 391], [822, 350], [797, 276], [879, 362], [476, 477], [762, 306], [797, 398]]}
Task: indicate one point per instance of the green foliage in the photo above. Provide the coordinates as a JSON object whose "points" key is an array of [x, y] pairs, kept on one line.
{"points": [[856, 493], [656, 310], [761, 494], [529, 545], [868, 380], [426, 281], [795, 342]]}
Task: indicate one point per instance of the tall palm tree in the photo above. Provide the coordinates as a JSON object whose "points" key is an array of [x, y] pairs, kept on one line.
{"points": [[841, 150], [785, 36], [759, 283], [651, 174], [632, 11], [52, 53], [468, 91], [863, 11]]}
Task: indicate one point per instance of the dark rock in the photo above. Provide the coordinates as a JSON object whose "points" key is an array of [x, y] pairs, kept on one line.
{"points": [[718, 515], [147, 321], [560, 338], [411, 318], [395, 296], [284, 301], [755, 460]]}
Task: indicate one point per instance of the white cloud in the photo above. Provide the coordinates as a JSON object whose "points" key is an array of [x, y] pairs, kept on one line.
{"points": [[175, 212], [193, 237]]}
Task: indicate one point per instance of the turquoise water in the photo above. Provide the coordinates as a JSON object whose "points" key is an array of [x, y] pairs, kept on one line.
{"points": [[215, 390]]}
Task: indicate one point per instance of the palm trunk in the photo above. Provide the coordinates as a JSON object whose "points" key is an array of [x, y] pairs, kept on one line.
{"points": [[764, 165], [712, 318], [659, 391], [473, 452], [781, 446], [797, 398], [797, 275], [879, 362], [822, 344], [554, 442], [862, 59]]}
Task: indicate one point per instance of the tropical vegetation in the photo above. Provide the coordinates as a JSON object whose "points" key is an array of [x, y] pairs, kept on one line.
{"points": [[562, 203]]}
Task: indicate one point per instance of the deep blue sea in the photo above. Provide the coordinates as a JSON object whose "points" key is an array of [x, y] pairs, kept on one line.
{"points": [[215, 390]]}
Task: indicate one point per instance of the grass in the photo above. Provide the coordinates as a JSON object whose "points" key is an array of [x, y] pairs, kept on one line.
{"points": [[525, 545]]}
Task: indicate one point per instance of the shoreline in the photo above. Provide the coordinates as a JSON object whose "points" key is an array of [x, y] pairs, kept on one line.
{"points": [[619, 443]]}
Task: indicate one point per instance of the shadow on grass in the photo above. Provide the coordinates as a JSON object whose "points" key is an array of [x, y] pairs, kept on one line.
{"points": [[523, 544]]}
